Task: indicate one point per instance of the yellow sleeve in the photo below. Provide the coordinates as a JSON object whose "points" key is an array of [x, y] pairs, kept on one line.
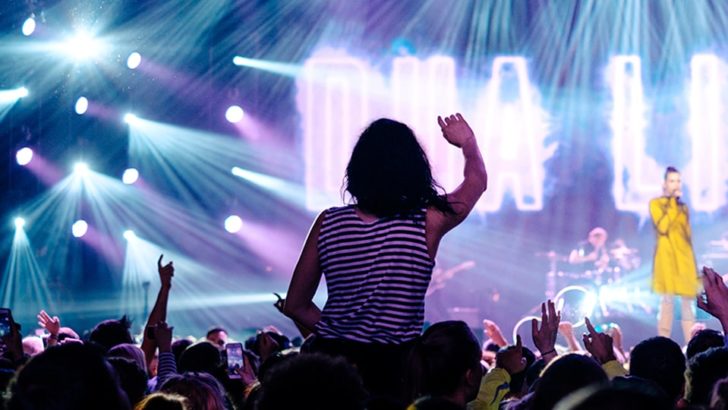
{"points": [[614, 368], [662, 216], [688, 230], [493, 388]]}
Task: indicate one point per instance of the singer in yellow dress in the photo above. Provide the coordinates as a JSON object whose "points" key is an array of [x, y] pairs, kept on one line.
{"points": [[674, 271]]}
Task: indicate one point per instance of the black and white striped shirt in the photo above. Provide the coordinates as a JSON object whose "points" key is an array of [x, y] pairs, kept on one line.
{"points": [[377, 275]]}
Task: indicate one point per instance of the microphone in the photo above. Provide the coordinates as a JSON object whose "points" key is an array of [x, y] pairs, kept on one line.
{"points": [[677, 194]]}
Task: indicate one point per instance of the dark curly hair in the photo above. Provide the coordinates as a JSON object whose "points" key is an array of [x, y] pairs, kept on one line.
{"points": [[389, 173]]}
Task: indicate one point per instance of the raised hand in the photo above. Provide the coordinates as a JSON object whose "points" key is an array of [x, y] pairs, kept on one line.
{"points": [[455, 129], [266, 346], [715, 298], [511, 358], [165, 272], [544, 337], [600, 345], [51, 324], [246, 373], [494, 333], [566, 328], [163, 336]]}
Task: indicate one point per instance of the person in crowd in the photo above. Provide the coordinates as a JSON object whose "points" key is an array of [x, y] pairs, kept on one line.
{"points": [[312, 381], [110, 333], [704, 340], [201, 390], [32, 345], [163, 401], [660, 360], [377, 254], [704, 371], [70, 376], [218, 336], [445, 363], [132, 378]]}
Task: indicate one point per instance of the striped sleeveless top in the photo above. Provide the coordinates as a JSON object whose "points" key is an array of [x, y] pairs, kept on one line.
{"points": [[376, 274]]}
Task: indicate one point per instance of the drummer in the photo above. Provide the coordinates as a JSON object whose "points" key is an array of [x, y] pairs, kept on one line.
{"points": [[592, 254]]}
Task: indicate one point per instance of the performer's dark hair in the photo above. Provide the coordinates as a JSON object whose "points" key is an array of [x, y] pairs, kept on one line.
{"points": [[670, 170]]}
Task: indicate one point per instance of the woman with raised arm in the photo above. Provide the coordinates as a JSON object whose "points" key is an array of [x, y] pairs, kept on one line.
{"points": [[378, 254]]}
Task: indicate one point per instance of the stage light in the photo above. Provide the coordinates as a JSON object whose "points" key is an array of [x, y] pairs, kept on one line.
{"points": [[234, 114], [24, 156], [29, 26], [134, 60], [130, 118], [82, 46], [19, 223], [81, 105], [11, 96], [233, 224], [129, 235], [81, 168], [130, 176], [79, 228]]}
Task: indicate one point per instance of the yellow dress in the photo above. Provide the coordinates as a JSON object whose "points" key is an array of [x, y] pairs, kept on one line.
{"points": [[674, 271]]}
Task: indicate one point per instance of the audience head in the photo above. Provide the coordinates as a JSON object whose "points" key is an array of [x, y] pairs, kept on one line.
{"points": [[201, 357], [704, 340], [163, 401], [201, 390], [661, 360], [704, 370], [132, 378], [32, 345], [218, 337], [625, 393], [719, 399], [519, 381], [312, 381], [110, 333], [71, 376], [389, 172], [130, 352], [178, 347], [445, 362], [563, 376]]}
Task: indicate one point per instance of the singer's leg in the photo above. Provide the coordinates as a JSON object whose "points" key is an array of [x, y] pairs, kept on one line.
{"points": [[664, 316], [687, 316]]}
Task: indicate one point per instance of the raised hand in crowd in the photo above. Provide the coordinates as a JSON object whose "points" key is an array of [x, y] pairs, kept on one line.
{"points": [[163, 336], [166, 272], [600, 345], [266, 345], [511, 358], [159, 311], [494, 333], [456, 130], [566, 329], [714, 300], [616, 333], [544, 336], [51, 324]]}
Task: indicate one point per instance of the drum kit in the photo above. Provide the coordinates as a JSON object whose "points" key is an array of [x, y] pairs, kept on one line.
{"points": [[591, 269], [618, 260]]}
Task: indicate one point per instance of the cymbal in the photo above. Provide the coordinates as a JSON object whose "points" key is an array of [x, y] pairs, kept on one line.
{"points": [[552, 255]]}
